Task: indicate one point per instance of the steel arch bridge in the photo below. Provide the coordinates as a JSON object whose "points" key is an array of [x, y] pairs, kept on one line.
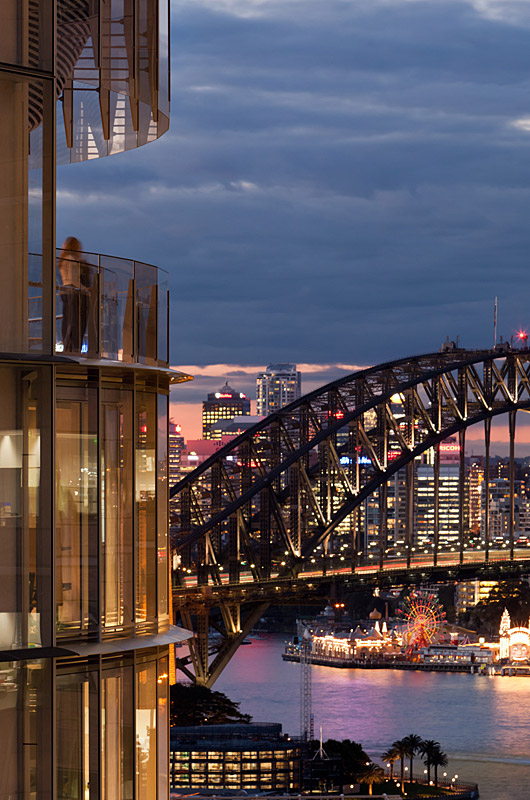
{"points": [[301, 500]]}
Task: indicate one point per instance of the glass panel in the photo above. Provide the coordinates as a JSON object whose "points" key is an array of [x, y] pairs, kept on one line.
{"points": [[76, 300], [146, 432], [20, 592], [117, 60], [146, 709], [24, 717], [117, 733], [163, 56], [25, 34], [162, 505], [116, 510], [21, 211], [163, 317], [163, 729], [76, 510], [117, 308], [35, 305], [147, 311], [77, 736]]}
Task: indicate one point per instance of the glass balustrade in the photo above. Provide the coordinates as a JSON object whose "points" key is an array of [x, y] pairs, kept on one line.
{"points": [[106, 308]]}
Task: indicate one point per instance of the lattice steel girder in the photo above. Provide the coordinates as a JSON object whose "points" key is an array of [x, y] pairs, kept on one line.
{"points": [[400, 409]]}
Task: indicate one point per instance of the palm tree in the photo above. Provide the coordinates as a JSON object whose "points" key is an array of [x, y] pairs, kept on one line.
{"points": [[390, 756], [427, 749], [414, 744], [403, 751], [438, 759], [371, 774]]}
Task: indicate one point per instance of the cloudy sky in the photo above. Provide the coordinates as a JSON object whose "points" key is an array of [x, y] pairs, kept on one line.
{"points": [[344, 181]]}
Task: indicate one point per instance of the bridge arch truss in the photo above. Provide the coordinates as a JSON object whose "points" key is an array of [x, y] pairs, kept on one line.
{"points": [[305, 492]]}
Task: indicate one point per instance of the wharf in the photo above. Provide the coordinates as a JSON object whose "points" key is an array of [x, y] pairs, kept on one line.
{"points": [[351, 663]]}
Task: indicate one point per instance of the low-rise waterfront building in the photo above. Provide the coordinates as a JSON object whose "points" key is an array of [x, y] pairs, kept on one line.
{"points": [[239, 757]]}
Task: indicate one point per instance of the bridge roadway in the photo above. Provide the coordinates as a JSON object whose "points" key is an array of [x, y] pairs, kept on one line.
{"points": [[219, 605], [305, 585]]}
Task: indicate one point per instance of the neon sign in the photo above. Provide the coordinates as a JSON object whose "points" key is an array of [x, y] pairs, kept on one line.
{"points": [[449, 448]]}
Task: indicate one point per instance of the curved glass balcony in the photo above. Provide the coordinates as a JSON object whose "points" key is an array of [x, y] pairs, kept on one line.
{"points": [[106, 308]]}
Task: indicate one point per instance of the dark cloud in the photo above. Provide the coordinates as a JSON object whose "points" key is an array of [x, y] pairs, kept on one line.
{"points": [[342, 181]]}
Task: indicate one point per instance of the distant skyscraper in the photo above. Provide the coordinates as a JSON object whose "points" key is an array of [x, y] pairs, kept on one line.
{"points": [[475, 477], [176, 446], [278, 386], [224, 404]]}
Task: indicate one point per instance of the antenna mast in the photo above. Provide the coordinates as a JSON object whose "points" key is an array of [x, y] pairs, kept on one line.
{"points": [[495, 324]]}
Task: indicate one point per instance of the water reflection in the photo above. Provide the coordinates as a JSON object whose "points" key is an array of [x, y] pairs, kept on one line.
{"points": [[481, 722]]}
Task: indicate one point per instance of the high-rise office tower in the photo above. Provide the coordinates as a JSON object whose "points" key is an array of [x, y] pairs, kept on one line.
{"points": [[278, 386], [475, 477], [224, 404], [176, 447], [84, 385]]}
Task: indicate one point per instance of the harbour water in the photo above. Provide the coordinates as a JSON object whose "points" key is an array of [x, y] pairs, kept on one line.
{"points": [[482, 723]]}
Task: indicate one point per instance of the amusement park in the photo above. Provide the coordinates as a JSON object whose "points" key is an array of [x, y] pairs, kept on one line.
{"points": [[417, 636]]}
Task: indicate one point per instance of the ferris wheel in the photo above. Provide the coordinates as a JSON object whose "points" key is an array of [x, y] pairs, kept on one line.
{"points": [[423, 617]]}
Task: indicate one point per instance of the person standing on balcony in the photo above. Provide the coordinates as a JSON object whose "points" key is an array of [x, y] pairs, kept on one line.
{"points": [[74, 293]]}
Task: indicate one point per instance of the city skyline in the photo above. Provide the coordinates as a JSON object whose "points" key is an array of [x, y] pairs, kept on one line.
{"points": [[341, 181], [186, 404]]}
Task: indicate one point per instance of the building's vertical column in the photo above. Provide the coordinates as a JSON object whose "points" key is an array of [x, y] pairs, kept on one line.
{"points": [[233, 548], [436, 510], [461, 494], [264, 534], [294, 508], [383, 512], [162, 504], [486, 484], [409, 488], [13, 204], [511, 522]]}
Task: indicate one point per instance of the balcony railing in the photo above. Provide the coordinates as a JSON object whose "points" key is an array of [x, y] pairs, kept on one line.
{"points": [[106, 308]]}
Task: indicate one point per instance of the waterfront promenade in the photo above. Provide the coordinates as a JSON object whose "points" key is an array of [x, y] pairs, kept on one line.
{"points": [[366, 663], [459, 790]]}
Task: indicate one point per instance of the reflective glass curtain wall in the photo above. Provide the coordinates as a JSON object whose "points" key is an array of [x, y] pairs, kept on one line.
{"points": [[111, 506], [83, 486], [112, 728]]}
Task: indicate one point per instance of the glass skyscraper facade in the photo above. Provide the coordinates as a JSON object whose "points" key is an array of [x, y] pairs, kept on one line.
{"points": [[276, 387], [84, 384]]}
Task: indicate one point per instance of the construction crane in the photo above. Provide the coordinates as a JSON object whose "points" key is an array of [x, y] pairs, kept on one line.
{"points": [[306, 711]]}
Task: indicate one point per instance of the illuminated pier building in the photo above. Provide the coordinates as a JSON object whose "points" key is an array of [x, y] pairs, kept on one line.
{"points": [[84, 383], [514, 640]]}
